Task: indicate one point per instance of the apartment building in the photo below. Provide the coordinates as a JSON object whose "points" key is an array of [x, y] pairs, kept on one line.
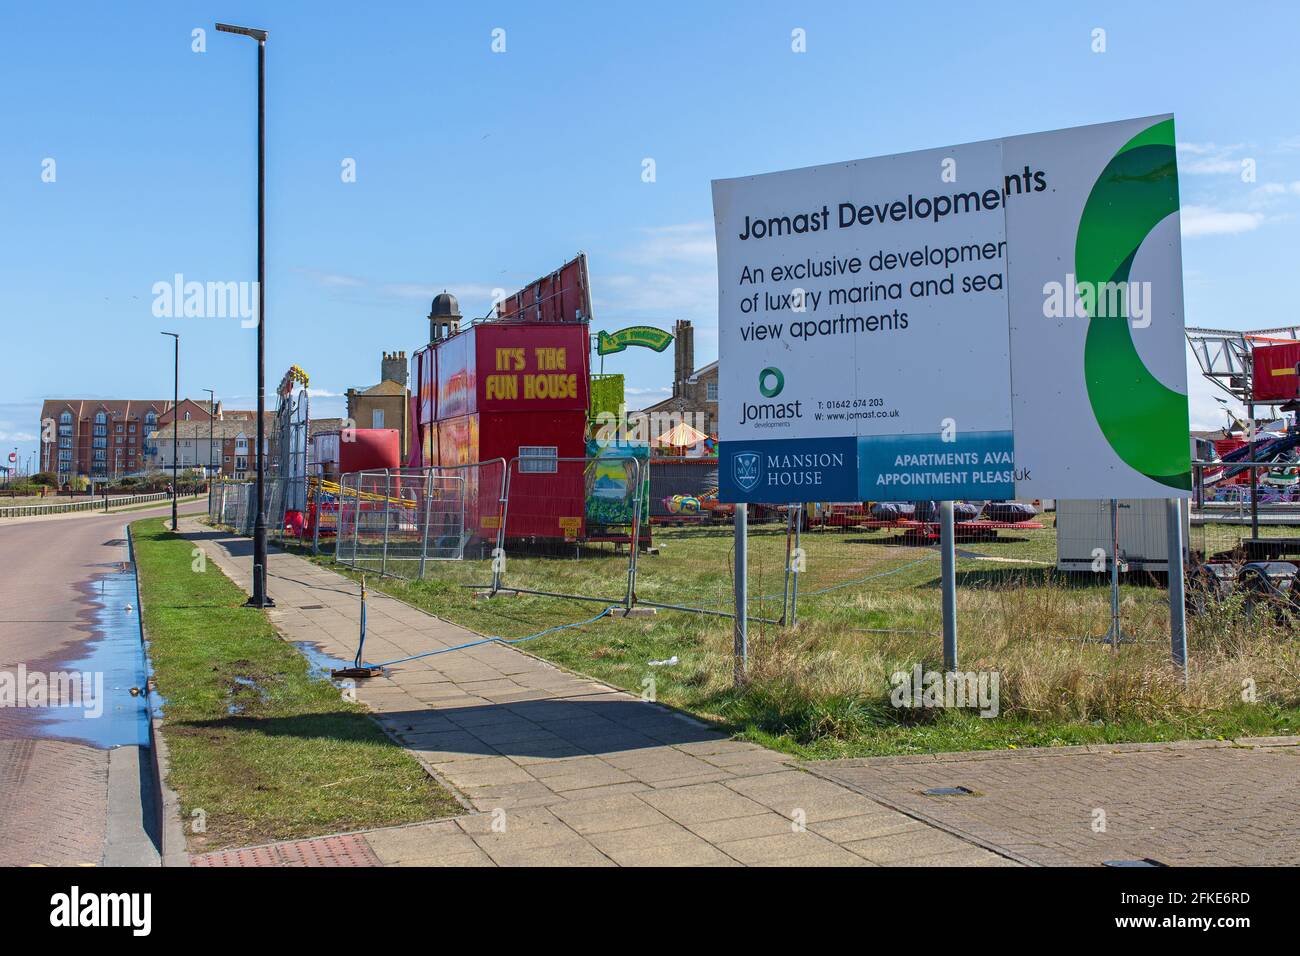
{"points": [[106, 438], [226, 446]]}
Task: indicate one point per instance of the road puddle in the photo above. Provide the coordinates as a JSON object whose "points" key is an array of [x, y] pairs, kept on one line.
{"points": [[99, 695]]}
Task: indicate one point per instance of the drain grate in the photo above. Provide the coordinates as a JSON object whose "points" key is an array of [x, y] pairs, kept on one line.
{"points": [[114, 542], [949, 792], [1145, 861], [312, 607]]}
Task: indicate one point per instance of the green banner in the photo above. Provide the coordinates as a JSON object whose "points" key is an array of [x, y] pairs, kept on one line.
{"points": [[645, 336]]}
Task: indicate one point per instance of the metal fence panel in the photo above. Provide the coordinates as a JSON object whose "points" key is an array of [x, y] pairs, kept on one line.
{"points": [[396, 521]]}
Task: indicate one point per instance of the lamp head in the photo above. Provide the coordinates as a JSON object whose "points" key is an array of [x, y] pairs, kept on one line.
{"points": [[256, 34]]}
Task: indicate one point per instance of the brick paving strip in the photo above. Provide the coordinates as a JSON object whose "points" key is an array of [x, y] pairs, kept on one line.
{"points": [[52, 798], [1187, 803], [558, 769]]}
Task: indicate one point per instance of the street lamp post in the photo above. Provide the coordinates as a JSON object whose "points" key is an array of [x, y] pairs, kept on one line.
{"points": [[259, 598], [212, 411], [176, 421]]}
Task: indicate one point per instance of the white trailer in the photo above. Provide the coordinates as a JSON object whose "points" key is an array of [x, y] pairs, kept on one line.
{"points": [[1085, 534]]}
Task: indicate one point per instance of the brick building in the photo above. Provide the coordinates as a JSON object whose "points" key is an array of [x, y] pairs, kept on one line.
{"points": [[103, 439], [695, 390], [233, 449], [386, 404]]}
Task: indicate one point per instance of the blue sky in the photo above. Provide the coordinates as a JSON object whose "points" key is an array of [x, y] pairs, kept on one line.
{"points": [[477, 170]]}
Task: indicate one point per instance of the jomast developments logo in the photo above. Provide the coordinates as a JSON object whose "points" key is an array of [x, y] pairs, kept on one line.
{"points": [[771, 383]]}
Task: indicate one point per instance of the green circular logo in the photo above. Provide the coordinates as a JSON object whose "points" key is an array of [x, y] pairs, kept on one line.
{"points": [[770, 382]]}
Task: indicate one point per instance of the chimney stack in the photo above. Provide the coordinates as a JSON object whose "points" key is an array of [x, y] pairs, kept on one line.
{"points": [[393, 368], [683, 355]]}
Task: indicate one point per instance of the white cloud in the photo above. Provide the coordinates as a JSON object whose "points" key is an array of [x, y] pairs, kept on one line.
{"points": [[1210, 159], [687, 243], [659, 294], [1280, 189], [404, 291], [425, 291], [675, 275], [333, 280], [1210, 167], [1208, 221]]}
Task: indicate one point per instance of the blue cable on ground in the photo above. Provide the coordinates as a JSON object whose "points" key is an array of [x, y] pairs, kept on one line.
{"points": [[486, 640]]}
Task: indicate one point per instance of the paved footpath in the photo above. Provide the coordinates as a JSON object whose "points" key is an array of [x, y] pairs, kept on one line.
{"points": [[1188, 803], [555, 768], [558, 769]]}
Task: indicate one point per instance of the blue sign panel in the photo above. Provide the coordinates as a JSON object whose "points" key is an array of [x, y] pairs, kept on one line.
{"points": [[785, 470], [926, 468]]}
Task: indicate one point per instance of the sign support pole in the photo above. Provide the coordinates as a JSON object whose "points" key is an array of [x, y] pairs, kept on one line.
{"points": [[1177, 599], [948, 572], [740, 633]]}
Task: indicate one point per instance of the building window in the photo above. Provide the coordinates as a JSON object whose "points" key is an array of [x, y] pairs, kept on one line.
{"points": [[711, 392], [187, 416], [65, 418], [101, 443], [377, 418], [537, 459], [119, 439], [65, 454], [131, 429], [101, 418], [118, 429]]}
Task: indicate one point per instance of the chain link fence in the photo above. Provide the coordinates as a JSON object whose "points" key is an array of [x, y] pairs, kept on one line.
{"points": [[400, 521], [233, 504], [613, 530]]}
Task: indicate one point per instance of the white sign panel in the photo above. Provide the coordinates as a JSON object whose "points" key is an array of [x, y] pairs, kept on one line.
{"points": [[995, 320]]}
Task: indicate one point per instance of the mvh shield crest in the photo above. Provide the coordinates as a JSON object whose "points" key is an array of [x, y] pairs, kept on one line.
{"points": [[745, 468]]}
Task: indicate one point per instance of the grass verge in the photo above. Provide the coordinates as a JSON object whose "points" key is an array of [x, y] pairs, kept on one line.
{"points": [[262, 749]]}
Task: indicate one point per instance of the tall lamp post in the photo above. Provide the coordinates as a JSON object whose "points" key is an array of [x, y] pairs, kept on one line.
{"points": [[176, 420], [212, 412], [259, 597]]}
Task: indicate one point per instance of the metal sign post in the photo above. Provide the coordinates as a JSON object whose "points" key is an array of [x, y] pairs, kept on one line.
{"points": [[1177, 598], [948, 584], [1115, 633], [740, 632]]}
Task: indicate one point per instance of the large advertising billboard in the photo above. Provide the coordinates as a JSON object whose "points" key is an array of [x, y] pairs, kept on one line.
{"points": [[996, 320], [531, 367], [562, 296]]}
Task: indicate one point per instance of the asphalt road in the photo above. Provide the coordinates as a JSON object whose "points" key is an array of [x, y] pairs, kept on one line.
{"points": [[73, 788]]}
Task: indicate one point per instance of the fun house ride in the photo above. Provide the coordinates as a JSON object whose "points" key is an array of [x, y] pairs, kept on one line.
{"points": [[513, 392]]}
